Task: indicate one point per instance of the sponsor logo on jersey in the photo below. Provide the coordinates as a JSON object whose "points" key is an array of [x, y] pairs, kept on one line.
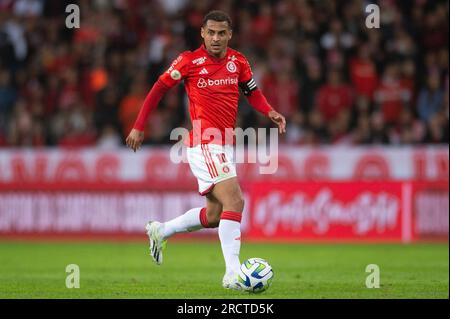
{"points": [[175, 74], [231, 66], [174, 63], [202, 83], [203, 71], [199, 61]]}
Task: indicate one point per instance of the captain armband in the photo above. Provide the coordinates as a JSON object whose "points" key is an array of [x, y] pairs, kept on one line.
{"points": [[248, 86]]}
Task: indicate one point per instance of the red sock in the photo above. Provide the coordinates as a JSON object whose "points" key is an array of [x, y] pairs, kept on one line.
{"points": [[234, 216]]}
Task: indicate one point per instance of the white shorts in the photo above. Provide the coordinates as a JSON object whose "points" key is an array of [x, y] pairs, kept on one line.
{"points": [[211, 164]]}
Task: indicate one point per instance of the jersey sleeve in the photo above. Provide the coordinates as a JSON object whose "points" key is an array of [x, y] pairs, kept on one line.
{"points": [[246, 73], [177, 71], [246, 82]]}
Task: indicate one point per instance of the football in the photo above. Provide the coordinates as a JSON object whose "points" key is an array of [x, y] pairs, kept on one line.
{"points": [[256, 275]]}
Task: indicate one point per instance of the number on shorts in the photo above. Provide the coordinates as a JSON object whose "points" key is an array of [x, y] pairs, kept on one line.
{"points": [[222, 158]]}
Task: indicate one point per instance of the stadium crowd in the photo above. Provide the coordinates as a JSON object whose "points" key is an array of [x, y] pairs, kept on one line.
{"points": [[336, 80]]}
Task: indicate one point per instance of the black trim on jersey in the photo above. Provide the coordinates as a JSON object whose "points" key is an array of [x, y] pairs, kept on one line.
{"points": [[248, 86]]}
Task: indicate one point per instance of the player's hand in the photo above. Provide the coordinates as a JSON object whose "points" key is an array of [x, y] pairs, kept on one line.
{"points": [[135, 139], [279, 120]]}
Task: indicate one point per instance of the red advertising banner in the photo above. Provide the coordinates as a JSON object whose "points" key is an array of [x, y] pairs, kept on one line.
{"points": [[430, 208], [343, 211], [278, 210]]}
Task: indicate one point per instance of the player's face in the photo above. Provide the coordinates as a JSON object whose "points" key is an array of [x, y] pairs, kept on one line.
{"points": [[216, 36]]}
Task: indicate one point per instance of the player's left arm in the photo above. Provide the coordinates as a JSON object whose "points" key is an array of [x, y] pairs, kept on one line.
{"points": [[257, 99]]}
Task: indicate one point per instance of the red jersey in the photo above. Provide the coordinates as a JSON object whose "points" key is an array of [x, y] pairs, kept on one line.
{"points": [[331, 100], [212, 85], [364, 77], [392, 96]]}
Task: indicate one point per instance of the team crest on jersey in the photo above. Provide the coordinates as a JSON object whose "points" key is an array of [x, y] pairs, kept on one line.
{"points": [[199, 61], [175, 74], [231, 66]]}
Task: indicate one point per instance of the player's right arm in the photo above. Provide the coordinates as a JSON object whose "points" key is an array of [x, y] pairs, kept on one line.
{"points": [[176, 72]]}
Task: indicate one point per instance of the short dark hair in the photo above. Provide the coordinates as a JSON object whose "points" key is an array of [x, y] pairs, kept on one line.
{"points": [[217, 15]]}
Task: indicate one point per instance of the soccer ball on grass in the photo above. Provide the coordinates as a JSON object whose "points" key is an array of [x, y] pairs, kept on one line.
{"points": [[256, 275]]}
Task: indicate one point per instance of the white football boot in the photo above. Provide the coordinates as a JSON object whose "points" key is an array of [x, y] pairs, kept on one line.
{"points": [[231, 281], [157, 243]]}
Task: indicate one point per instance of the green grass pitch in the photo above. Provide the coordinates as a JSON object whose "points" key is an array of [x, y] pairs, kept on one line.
{"points": [[195, 270]]}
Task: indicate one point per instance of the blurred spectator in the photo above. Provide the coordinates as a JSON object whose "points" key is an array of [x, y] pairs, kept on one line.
{"points": [[408, 78], [316, 130], [435, 26], [391, 96], [379, 134], [8, 96], [362, 132], [106, 109], [437, 129], [338, 130], [262, 26], [131, 105], [310, 82], [431, 98], [409, 130], [334, 97], [363, 72], [281, 89]]}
